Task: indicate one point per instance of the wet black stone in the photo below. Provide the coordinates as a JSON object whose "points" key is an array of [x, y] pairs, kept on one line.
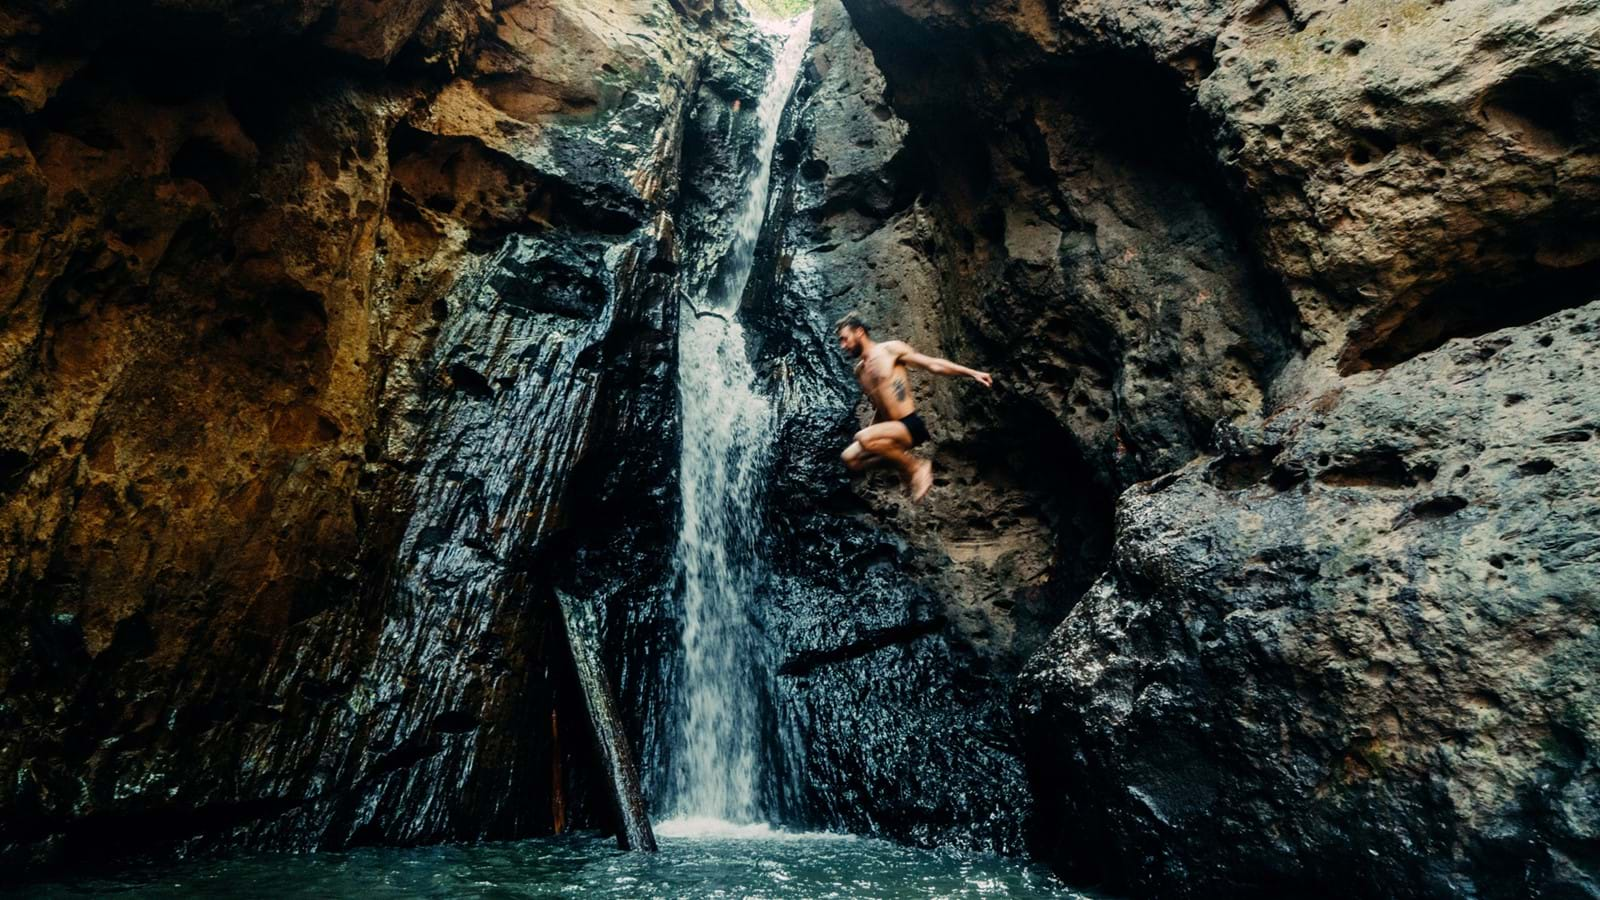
{"points": [[551, 279]]}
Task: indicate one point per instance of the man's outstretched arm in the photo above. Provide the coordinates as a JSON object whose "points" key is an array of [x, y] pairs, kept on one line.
{"points": [[939, 366]]}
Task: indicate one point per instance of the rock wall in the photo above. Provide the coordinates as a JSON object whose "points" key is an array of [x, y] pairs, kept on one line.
{"points": [[1269, 265], [895, 633], [315, 315], [1355, 649], [333, 336]]}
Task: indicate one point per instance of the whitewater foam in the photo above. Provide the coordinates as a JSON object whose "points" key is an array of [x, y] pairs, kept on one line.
{"points": [[713, 828]]}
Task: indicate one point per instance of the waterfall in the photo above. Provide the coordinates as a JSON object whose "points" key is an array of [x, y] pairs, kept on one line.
{"points": [[727, 435]]}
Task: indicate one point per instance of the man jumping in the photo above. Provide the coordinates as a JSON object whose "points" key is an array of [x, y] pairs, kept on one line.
{"points": [[881, 369]]}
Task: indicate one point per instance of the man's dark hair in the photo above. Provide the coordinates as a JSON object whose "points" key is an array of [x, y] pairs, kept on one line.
{"points": [[852, 319]]}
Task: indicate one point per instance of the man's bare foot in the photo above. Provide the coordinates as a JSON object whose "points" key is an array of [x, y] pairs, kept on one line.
{"points": [[921, 481]]}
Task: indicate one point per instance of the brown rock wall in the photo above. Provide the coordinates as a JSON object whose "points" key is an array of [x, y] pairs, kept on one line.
{"points": [[233, 235]]}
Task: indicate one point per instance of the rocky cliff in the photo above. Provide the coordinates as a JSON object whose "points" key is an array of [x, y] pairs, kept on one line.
{"points": [[315, 315], [335, 335], [1287, 277], [1356, 647], [897, 631]]}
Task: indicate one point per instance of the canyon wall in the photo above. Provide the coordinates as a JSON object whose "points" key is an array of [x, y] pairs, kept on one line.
{"points": [[1288, 279], [314, 317], [334, 337], [891, 664]]}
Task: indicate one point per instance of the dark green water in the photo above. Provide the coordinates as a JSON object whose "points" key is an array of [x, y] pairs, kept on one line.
{"points": [[732, 863]]}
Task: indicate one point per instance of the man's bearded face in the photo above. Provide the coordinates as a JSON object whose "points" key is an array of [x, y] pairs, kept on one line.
{"points": [[850, 342]]}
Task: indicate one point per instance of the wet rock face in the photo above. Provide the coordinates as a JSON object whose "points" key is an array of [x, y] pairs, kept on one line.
{"points": [[313, 315], [1356, 648], [1198, 231], [895, 631]]}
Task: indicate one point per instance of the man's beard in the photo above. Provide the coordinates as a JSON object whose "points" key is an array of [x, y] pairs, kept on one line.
{"points": [[853, 352]]}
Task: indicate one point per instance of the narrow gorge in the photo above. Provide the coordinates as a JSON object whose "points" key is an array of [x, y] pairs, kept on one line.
{"points": [[338, 340]]}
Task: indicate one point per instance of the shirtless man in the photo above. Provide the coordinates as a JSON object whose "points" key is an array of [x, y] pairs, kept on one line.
{"points": [[881, 369]]}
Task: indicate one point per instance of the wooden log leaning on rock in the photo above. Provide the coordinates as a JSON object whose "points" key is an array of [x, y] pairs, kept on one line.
{"points": [[583, 637]]}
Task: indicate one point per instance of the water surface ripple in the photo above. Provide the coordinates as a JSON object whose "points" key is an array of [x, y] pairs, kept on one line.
{"points": [[736, 862]]}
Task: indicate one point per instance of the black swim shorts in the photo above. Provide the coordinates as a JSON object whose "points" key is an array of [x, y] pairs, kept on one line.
{"points": [[915, 425]]}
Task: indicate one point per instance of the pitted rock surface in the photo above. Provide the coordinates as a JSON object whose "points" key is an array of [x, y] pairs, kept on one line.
{"points": [[1175, 229], [1355, 648]]}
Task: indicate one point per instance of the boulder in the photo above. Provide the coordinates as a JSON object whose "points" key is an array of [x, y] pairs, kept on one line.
{"points": [[1353, 653]]}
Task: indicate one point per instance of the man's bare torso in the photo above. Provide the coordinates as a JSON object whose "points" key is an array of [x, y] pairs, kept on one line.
{"points": [[883, 379]]}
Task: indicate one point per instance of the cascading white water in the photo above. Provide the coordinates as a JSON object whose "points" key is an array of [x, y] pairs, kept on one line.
{"points": [[724, 452], [726, 438]]}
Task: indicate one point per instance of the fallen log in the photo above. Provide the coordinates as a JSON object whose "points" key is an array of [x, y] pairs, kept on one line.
{"points": [[583, 637]]}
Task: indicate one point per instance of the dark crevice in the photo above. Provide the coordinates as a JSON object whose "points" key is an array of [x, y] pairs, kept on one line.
{"points": [[206, 161], [1550, 111], [454, 722], [1162, 483], [1570, 436], [1165, 144], [1369, 147], [1286, 477], [1274, 15], [869, 642], [471, 382], [1238, 471], [1376, 470], [1536, 467], [1438, 507], [14, 467], [1474, 307]]}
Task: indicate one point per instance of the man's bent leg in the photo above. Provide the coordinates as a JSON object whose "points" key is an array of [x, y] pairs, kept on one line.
{"points": [[892, 442], [856, 458]]}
